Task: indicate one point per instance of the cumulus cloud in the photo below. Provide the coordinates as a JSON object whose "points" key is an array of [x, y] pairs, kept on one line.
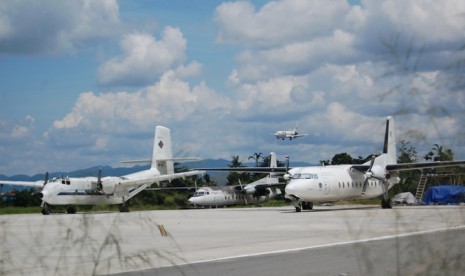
{"points": [[53, 27], [277, 22], [145, 59], [15, 131], [170, 100]]}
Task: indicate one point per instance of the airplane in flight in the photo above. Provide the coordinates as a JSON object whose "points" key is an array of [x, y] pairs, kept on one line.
{"points": [[374, 178], [289, 134], [257, 192], [70, 192]]}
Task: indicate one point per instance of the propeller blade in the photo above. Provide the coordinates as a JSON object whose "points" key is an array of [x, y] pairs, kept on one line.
{"points": [[46, 178], [99, 179], [368, 174], [243, 192], [365, 184]]}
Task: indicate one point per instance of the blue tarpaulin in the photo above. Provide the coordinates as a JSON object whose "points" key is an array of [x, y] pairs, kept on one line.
{"points": [[445, 194]]}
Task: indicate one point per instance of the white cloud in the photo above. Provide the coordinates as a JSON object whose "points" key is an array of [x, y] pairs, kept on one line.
{"points": [[144, 58], [168, 101], [277, 22], [54, 27]]}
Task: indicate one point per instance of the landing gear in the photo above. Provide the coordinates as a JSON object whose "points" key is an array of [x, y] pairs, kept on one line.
{"points": [[307, 205], [124, 207], [303, 206], [386, 204], [45, 208], [386, 201], [71, 210]]}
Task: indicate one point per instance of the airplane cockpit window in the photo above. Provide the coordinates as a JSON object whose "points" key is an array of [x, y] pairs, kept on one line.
{"points": [[305, 176], [66, 181], [199, 193]]}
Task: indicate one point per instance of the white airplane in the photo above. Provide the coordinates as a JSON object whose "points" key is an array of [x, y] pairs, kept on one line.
{"points": [[257, 192], [348, 182], [289, 134], [111, 189]]}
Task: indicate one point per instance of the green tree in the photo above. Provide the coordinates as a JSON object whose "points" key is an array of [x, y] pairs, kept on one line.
{"points": [[409, 179], [342, 158], [256, 156], [233, 177]]}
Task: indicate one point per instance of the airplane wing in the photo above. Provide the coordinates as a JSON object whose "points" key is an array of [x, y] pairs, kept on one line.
{"points": [[247, 169], [414, 166], [34, 184], [122, 186]]}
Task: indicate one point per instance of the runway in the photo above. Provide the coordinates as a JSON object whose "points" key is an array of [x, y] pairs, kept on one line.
{"points": [[224, 241]]}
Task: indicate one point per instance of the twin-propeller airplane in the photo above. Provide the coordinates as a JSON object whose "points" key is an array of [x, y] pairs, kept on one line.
{"points": [[111, 189], [256, 192]]}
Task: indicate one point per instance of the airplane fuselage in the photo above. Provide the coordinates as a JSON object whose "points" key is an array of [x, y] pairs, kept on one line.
{"points": [[331, 183], [286, 134], [223, 196], [84, 190], [76, 191]]}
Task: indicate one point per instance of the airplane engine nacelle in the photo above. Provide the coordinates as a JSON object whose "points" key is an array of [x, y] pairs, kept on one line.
{"points": [[261, 192], [108, 189]]}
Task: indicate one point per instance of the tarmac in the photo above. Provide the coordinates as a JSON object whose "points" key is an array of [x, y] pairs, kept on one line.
{"points": [[108, 243]]}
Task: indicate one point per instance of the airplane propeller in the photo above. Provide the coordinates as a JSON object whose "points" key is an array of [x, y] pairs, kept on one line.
{"points": [[99, 180], [45, 183], [46, 179], [243, 191], [287, 176], [369, 174]]}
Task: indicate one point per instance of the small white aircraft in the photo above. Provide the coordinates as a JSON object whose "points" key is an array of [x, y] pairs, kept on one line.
{"points": [[111, 189], [289, 134], [257, 192]]}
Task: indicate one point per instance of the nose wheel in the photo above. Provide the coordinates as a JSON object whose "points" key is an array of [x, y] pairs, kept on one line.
{"points": [[45, 208]]}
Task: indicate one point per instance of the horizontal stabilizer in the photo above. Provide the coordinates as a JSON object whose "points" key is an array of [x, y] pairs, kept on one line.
{"points": [[180, 159]]}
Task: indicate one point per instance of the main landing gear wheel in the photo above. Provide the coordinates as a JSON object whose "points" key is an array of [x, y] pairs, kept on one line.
{"points": [[307, 205], [386, 204], [71, 210], [124, 208]]}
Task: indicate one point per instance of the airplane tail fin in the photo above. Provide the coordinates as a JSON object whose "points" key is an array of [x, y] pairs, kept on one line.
{"points": [[389, 149], [273, 163], [162, 157]]}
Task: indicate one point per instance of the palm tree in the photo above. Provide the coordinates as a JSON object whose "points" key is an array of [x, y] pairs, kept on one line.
{"points": [[256, 156]]}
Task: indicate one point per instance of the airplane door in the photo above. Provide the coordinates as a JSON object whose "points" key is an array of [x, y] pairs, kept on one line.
{"points": [[326, 187]]}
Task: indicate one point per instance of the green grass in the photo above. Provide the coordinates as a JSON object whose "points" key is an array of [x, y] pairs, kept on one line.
{"points": [[19, 210]]}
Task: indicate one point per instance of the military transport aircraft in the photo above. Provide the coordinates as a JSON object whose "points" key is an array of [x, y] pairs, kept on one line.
{"points": [[256, 192], [306, 185], [110, 189], [289, 134]]}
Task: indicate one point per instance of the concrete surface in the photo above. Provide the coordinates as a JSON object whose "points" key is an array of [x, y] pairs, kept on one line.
{"points": [[105, 243]]}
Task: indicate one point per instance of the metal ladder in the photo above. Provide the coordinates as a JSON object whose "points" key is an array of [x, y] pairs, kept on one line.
{"points": [[421, 187]]}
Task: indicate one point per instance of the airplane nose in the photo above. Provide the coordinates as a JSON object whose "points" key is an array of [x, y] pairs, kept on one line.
{"points": [[43, 194], [290, 188]]}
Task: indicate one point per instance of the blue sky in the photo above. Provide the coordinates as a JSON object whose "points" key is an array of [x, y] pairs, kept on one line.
{"points": [[84, 83]]}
